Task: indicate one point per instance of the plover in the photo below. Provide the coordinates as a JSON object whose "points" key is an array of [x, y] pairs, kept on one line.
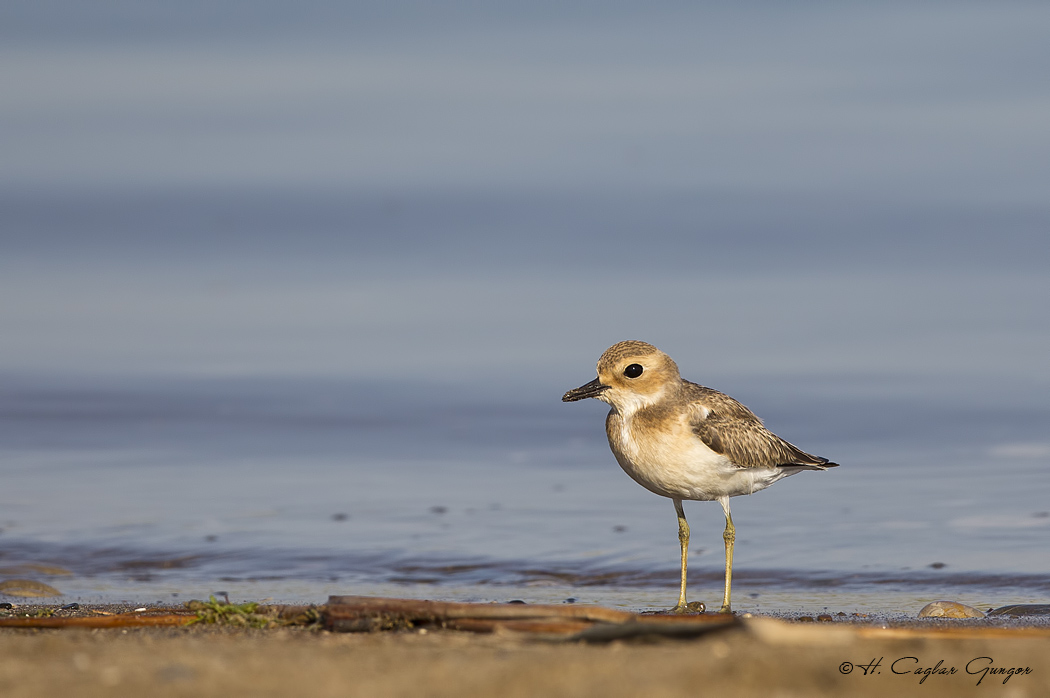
{"points": [[684, 441]]}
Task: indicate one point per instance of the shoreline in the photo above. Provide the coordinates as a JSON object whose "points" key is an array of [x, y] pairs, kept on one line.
{"points": [[758, 655]]}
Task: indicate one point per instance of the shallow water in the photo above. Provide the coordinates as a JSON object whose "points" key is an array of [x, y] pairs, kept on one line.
{"points": [[296, 489]]}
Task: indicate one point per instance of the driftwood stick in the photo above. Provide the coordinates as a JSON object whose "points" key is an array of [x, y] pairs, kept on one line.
{"points": [[370, 614], [120, 620]]}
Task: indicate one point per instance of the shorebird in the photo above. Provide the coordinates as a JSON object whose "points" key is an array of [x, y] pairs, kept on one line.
{"points": [[684, 441]]}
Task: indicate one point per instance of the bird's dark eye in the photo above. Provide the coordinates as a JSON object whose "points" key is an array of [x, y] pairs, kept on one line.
{"points": [[633, 371]]}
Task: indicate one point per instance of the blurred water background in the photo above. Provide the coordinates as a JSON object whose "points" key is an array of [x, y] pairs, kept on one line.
{"points": [[289, 293]]}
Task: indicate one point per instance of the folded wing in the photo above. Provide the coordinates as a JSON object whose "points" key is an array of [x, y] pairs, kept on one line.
{"points": [[729, 428]]}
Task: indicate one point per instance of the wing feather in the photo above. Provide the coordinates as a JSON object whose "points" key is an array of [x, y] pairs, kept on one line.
{"points": [[729, 428]]}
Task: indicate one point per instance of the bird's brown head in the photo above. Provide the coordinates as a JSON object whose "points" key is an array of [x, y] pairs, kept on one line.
{"points": [[631, 375]]}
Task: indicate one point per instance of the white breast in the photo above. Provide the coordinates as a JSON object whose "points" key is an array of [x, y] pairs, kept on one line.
{"points": [[673, 462]]}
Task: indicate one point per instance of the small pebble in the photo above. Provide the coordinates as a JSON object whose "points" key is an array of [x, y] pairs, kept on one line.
{"points": [[516, 601], [805, 619], [70, 607], [27, 588], [938, 565], [571, 599], [825, 618], [949, 609]]}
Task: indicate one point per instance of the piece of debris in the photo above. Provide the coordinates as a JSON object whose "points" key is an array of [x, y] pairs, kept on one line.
{"points": [[370, 614], [251, 614], [949, 609], [116, 620], [1022, 609]]}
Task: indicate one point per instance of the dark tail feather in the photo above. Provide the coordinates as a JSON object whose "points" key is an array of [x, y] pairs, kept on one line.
{"points": [[821, 464]]}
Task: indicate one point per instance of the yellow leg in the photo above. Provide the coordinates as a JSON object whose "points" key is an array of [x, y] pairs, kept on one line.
{"points": [[683, 538], [729, 536]]}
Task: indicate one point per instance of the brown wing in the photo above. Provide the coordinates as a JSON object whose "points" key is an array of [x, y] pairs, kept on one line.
{"points": [[734, 431]]}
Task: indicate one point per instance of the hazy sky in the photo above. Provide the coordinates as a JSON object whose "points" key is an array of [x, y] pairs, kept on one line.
{"points": [[942, 101], [404, 188]]}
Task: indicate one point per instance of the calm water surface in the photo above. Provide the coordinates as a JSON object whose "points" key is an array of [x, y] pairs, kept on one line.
{"points": [[294, 489]]}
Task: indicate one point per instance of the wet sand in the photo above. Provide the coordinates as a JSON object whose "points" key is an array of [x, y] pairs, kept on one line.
{"points": [[760, 656]]}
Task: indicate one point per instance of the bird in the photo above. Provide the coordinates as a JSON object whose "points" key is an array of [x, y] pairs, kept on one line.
{"points": [[684, 441]]}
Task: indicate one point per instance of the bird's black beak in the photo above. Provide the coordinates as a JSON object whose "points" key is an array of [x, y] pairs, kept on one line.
{"points": [[592, 389]]}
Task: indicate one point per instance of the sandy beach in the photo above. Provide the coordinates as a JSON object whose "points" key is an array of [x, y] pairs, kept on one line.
{"points": [[757, 656]]}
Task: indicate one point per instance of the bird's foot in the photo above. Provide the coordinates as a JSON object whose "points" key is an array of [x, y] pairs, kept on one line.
{"points": [[726, 609], [691, 608]]}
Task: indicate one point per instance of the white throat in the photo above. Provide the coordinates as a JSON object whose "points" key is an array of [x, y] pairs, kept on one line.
{"points": [[627, 403]]}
